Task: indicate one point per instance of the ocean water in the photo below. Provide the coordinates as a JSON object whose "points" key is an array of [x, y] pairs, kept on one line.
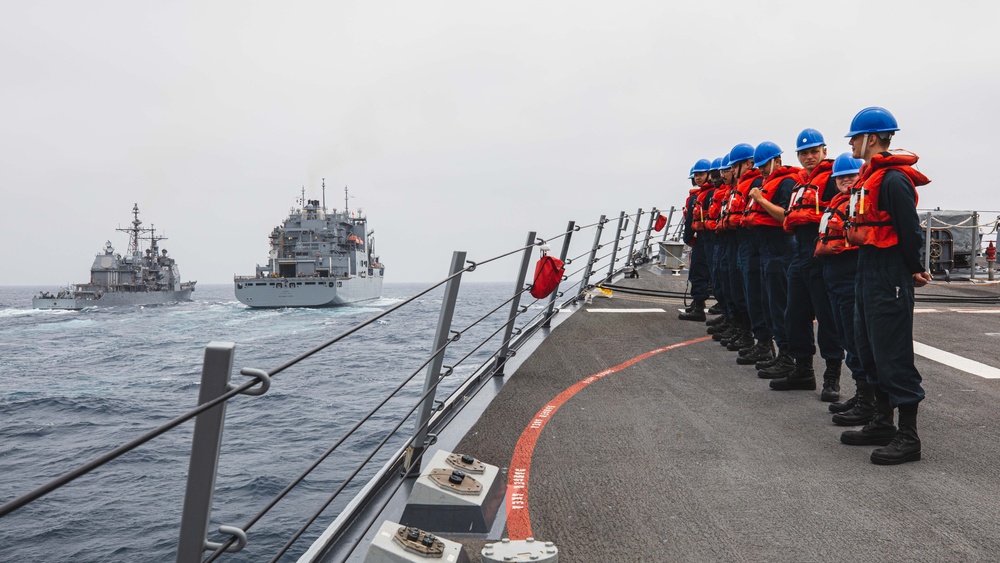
{"points": [[80, 383]]}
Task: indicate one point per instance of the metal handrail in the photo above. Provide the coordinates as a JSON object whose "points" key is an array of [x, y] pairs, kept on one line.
{"points": [[261, 379]]}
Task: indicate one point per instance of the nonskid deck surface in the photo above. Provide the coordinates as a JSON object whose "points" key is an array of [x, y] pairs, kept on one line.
{"points": [[685, 456]]}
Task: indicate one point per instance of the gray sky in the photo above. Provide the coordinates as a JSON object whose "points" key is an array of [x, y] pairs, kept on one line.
{"points": [[457, 125]]}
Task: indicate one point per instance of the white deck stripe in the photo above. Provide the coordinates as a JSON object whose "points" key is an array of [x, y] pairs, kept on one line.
{"points": [[956, 361], [626, 311], [966, 311]]}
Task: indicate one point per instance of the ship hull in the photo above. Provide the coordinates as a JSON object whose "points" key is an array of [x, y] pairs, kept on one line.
{"points": [[306, 292], [112, 299]]}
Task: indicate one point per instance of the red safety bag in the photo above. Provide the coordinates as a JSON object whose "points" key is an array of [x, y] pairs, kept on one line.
{"points": [[661, 222], [548, 274]]}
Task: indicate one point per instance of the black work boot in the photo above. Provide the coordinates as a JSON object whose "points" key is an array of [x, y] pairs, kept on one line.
{"points": [[783, 366], [863, 410], [802, 377], [774, 359], [719, 327], [762, 351], [721, 319], [879, 431], [734, 326], [831, 382], [715, 309], [745, 340], [847, 405], [695, 313], [905, 446]]}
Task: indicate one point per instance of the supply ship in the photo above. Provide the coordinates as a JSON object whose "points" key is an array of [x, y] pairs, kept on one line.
{"points": [[138, 278], [317, 259]]}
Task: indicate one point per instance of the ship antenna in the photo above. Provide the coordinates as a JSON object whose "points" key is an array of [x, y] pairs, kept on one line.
{"points": [[324, 194], [134, 244], [346, 208], [302, 200]]}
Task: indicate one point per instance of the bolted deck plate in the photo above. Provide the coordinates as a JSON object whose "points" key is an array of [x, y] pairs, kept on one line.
{"points": [[466, 463], [456, 481], [419, 542]]}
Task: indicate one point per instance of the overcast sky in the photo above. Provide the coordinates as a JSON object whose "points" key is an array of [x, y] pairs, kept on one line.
{"points": [[456, 125]]}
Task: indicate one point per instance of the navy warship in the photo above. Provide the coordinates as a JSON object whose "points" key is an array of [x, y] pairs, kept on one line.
{"points": [[138, 278], [317, 259]]}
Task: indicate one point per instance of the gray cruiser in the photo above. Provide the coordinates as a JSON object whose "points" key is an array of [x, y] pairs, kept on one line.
{"points": [[317, 259], [138, 278]]}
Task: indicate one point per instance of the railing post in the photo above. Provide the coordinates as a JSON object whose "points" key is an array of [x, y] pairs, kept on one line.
{"points": [[649, 232], [593, 255], [670, 218], [515, 304], [631, 244], [433, 373], [927, 245], [570, 227], [614, 250], [205, 452], [975, 244]]}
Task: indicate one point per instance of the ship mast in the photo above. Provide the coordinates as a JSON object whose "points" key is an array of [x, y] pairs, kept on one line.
{"points": [[135, 231], [346, 208], [324, 194]]}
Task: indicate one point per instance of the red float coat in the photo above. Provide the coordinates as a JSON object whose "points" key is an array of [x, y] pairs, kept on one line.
{"points": [[807, 203], [738, 198], [869, 225], [755, 215], [832, 236], [698, 221], [713, 220]]}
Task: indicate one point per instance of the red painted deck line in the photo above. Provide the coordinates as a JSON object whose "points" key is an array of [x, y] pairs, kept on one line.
{"points": [[518, 515]]}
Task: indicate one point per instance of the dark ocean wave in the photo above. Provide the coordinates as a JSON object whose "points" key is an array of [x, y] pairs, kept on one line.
{"points": [[84, 382]]}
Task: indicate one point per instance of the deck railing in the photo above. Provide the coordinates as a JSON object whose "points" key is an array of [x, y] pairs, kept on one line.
{"points": [[616, 246]]}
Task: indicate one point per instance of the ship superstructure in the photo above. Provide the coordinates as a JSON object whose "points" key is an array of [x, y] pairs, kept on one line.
{"points": [[317, 258], [141, 277]]}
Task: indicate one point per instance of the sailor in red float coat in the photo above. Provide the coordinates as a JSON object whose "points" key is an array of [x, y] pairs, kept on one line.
{"points": [[839, 261], [756, 328], [698, 270], [765, 211], [833, 229], [762, 210], [884, 223], [807, 298], [728, 273], [805, 206], [873, 225]]}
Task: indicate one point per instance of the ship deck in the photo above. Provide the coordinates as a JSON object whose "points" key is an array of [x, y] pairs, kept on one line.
{"points": [[675, 453], [627, 434]]}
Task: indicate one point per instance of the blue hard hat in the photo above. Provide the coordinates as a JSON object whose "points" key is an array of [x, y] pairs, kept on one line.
{"points": [[872, 120], [725, 162], [740, 152], [716, 164], [845, 164], [691, 174], [703, 165], [808, 139], [765, 152]]}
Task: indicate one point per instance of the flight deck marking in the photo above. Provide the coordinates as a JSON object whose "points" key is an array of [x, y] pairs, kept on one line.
{"points": [[956, 361], [626, 311], [518, 515], [966, 311]]}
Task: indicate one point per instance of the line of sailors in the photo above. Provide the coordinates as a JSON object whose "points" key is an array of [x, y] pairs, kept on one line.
{"points": [[837, 241]]}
